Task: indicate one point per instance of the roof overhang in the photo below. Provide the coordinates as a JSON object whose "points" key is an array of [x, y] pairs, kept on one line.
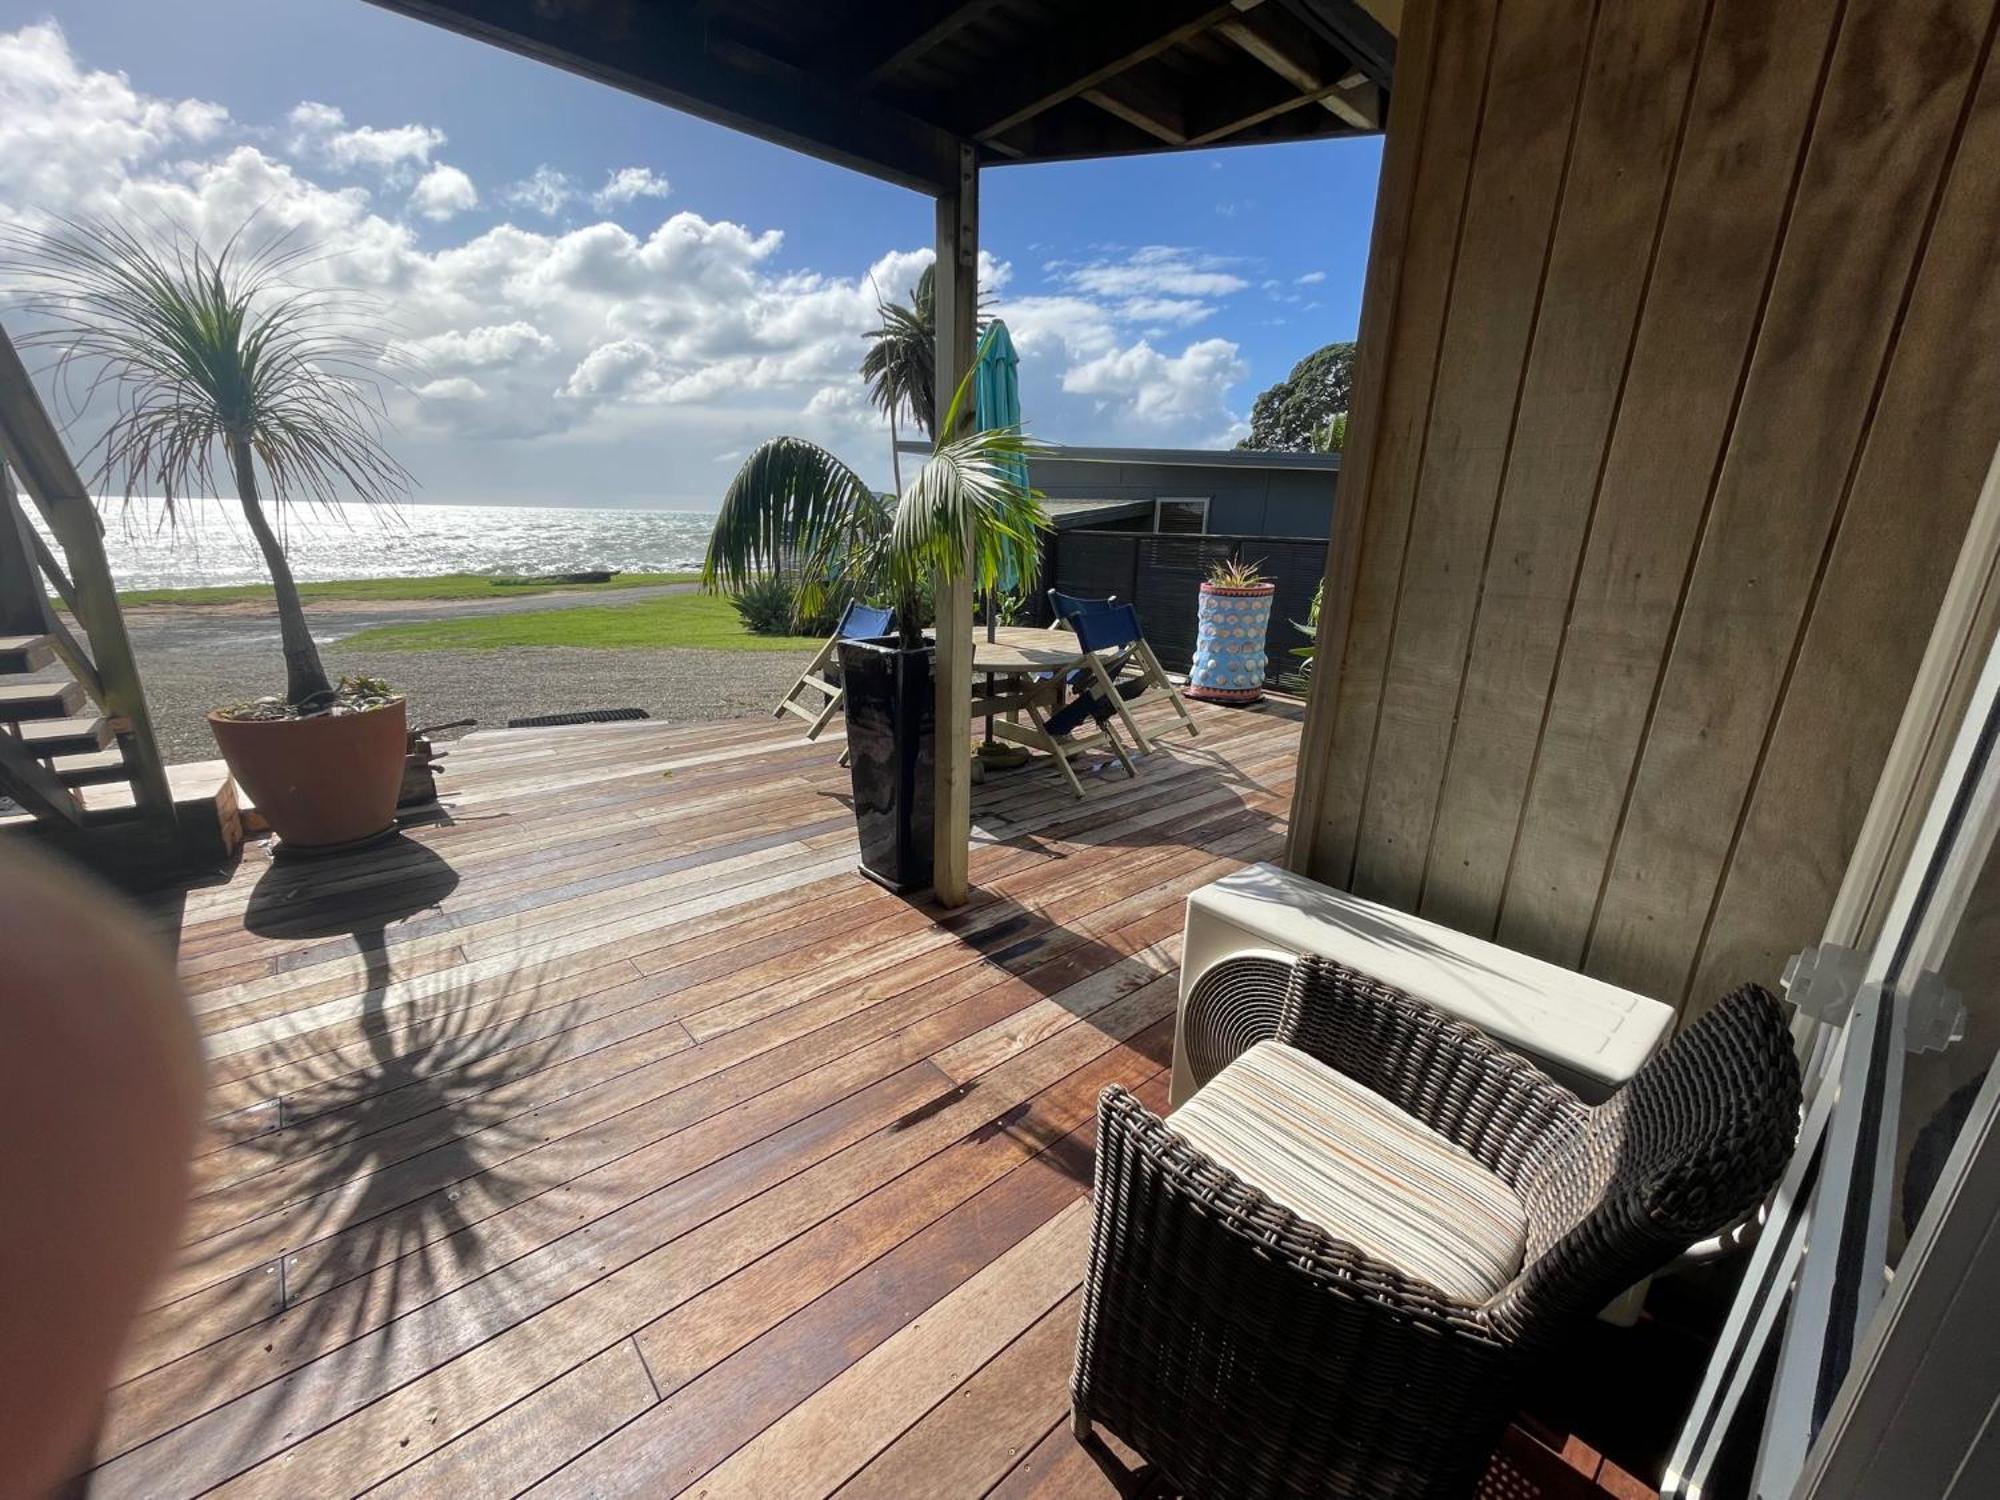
{"points": [[1198, 458], [894, 90]]}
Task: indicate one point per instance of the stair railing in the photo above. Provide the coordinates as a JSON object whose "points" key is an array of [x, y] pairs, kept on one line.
{"points": [[81, 578]]}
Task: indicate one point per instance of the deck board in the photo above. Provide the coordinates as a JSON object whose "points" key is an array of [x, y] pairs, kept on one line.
{"points": [[613, 1136]]}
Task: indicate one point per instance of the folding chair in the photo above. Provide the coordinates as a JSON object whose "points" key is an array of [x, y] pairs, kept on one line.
{"points": [[1062, 606], [1116, 644], [821, 676], [1053, 732]]}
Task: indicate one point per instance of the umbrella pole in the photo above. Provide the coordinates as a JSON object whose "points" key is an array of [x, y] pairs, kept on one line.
{"points": [[989, 676]]}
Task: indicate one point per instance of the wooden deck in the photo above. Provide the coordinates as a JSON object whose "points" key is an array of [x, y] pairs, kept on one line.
{"points": [[617, 1138]]}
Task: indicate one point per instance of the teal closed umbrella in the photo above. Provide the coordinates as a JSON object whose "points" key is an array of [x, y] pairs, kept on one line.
{"points": [[996, 391]]}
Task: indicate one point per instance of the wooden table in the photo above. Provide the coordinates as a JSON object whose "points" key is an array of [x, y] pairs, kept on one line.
{"points": [[1038, 662]]}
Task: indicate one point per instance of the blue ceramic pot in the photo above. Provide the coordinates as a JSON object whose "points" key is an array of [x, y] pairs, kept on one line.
{"points": [[1230, 632]]}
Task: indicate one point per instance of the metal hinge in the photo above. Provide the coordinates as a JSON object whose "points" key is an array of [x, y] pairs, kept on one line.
{"points": [[1934, 1014], [1823, 981]]}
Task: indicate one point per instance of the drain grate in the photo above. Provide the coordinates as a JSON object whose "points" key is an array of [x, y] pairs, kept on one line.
{"points": [[587, 716]]}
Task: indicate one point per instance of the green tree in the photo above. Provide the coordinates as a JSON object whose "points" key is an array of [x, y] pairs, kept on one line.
{"points": [[1286, 416], [215, 362], [901, 363]]}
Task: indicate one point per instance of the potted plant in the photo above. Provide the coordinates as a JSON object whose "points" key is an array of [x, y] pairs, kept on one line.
{"points": [[217, 362], [968, 506], [1230, 629], [1297, 682]]}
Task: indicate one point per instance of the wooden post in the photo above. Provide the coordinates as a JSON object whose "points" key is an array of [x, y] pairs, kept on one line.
{"points": [[1394, 201], [957, 334]]}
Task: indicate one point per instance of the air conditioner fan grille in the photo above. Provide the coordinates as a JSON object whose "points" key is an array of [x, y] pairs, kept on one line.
{"points": [[1233, 1006]]}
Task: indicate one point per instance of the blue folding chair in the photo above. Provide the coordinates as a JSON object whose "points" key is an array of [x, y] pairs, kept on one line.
{"points": [[1120, 668], [1062, 606], [821, 678]]}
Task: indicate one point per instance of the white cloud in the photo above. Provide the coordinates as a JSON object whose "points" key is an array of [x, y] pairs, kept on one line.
{"points": [[627, 184], [68, 137], [1175, 310], [632, 357], [442, 192], [478, 348], [1312, 278], [453, 388], [1155, 288], [1189, 389], [545, 190], [320, 130], [1153, 270], [311, 118], [623, 367]]}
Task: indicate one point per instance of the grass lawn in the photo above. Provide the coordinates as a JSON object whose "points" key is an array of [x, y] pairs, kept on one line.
{"points": [[443, 586], [702, 621]]}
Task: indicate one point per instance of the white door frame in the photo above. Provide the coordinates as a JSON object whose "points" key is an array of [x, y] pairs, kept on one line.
{"points": [[1917, 1415], [1949, 702]]}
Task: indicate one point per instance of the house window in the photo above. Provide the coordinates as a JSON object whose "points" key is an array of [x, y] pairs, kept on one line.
{"points": [[1181, 515]]}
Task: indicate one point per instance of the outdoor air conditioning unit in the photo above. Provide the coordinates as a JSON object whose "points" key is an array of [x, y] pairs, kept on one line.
{"points": [[1244, 931]]}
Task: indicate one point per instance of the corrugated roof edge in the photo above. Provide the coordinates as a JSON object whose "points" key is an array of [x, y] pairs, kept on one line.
{"points": [[1202, 458]]}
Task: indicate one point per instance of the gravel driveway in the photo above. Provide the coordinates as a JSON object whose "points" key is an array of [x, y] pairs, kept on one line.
{"points": [[192, 658]]}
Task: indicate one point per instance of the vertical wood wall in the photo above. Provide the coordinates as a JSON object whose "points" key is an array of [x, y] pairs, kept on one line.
{"points": [[1679, 373]]}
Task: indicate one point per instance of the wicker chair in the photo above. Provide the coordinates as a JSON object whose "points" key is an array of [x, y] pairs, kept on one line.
{"points": [[1244, 1351]]}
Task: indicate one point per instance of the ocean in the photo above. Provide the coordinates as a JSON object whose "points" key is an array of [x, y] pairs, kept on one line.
{"points": [[209, 544]]}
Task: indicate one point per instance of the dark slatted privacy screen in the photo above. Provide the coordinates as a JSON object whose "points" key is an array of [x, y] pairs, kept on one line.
{"points": [[1162, 575]]}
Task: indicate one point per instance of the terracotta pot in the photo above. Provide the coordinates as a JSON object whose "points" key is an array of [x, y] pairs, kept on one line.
{"points": [[1230, 633], [323, 781]]}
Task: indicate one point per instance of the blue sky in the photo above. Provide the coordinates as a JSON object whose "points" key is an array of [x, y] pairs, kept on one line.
{"points": [[607, 301]]}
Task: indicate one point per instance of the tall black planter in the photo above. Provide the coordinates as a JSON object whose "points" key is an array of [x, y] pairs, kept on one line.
{"points": [[891, 713]]}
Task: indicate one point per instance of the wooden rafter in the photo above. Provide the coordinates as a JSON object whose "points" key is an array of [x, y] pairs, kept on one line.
{"points": [[1143, 104], [930, 22], [1291, 50], [1104, 43], [893, 90], [1349, 26], [1240, 120]]}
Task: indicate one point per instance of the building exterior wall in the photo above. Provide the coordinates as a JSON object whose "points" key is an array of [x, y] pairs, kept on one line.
{"points": [[1243, 500], [1679, 372]]}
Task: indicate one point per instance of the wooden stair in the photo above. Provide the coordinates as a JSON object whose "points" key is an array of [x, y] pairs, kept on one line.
{"points": [[56, 659], [91, 768], [74, 781], [21, 701], [26, 653], [46, 739], [46, 718]]}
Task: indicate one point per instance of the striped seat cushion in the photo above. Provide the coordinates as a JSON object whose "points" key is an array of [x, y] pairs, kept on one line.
{"points": [[1345, 1159]]}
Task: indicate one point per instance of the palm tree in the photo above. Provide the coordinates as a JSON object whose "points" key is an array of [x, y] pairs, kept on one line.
{"points": [[793, 497], [901, 363], [215, 359]]}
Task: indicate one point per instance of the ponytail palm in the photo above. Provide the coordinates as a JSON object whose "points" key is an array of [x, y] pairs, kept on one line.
{"points": [[214, 361], [967, 507]]}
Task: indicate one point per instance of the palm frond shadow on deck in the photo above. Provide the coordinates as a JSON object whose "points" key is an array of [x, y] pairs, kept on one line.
{"points": [[1392, 931], [396, 1150], [995, 805]]}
